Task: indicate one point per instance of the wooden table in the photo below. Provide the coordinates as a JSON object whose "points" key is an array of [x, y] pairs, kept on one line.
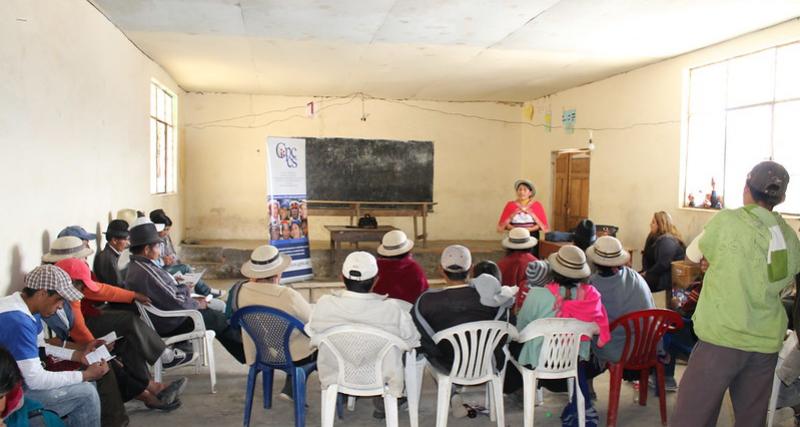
{"points": [[342, 233], [376, 209]]}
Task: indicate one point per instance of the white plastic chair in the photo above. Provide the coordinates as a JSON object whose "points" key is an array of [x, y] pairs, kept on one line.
{"points": [[202, 341], [558, 358], [788, 344], [359, 351], [473, 345]]}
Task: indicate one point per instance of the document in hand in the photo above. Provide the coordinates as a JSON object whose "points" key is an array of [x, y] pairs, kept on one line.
{"points": [[101, 353]]}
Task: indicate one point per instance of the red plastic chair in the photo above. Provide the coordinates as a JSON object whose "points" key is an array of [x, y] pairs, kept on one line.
{"points": [[643, 331]]}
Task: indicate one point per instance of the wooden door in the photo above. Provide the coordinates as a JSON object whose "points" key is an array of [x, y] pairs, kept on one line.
{"points": [[571, 192]]}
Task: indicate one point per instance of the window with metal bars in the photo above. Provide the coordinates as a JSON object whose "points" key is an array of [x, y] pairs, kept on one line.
{"points": [[163, 141]]}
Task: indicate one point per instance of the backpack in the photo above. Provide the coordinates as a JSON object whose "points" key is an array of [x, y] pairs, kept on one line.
{"points": [[31, 414], [367, 221]]}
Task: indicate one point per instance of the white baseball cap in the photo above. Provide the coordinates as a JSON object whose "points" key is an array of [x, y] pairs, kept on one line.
{"points": [[360, 266], [456, 259]]}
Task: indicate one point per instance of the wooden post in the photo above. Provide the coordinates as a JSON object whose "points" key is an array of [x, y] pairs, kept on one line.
{"points": [[424, 225]]}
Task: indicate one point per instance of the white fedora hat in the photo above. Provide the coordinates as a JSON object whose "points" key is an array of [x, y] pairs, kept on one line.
{"points": [[127, 215], [570, 261], [395, 243], [142, 220], [519, 238], [265, 261], [607, 251], [66, 247]]}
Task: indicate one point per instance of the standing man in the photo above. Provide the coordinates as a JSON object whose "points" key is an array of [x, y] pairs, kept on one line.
{"points": [[752, 256]]}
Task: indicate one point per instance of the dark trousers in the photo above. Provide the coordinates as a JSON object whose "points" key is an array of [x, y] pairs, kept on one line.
{"points": [[229, 337], [112, 407], [712, 370], [139, 346]]}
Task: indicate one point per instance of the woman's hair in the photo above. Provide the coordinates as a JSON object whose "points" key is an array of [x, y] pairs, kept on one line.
{"points": [[487, 267], [664, 225], [606, 271], [360, 286], [566, 282], [10, 375], [401, 256]]}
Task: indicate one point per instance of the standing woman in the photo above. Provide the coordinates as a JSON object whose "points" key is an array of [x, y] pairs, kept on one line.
{"points": [[524, 213], [664, 244]]}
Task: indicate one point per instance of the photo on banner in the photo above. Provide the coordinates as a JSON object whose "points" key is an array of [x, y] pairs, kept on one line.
{"points": [[286, 204]]}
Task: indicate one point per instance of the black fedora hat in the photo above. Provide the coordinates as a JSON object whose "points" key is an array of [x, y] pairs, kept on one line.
{"points": [[117, 228], [144, 234], [585, 234]]}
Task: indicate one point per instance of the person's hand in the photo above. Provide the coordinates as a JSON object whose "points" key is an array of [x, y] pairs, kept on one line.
{"points": [[703, 265], [93, 345], [169, 259], [142, 298], [95, 371], [534, 228], [202, 304]]}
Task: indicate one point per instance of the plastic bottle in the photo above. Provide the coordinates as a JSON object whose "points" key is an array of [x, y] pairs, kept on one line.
{"points": [[636, 392]]}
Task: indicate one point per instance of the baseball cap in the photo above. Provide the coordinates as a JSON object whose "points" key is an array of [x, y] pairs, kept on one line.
{"points": [[769, 178], [52, 278], [77, 269], [77, 231], [360, 266], [456, 259]]}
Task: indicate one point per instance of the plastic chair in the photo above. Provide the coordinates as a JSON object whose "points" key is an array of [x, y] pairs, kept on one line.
{"points": [[271, 330], [643, 331], [202, 341], [473, 345], [558, 358], [359, 352], [789, 344]]}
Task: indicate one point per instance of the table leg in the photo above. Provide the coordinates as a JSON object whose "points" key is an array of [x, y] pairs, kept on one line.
{"points": [[424, 225], [416, 236]]}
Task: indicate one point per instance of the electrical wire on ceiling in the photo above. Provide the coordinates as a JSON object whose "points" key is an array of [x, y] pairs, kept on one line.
{"points": [[224, 123]]}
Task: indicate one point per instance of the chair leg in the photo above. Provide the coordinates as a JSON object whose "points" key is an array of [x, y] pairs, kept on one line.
{"points": [[351, 403], [248, 399], [579, 402], [212, 368], [390, 406], [613, 394], [644, 377], [773, 400], [340, 406], [570, 388], [328, 405], [299, 395], [497, 401], [269, 375], [412, 389], [158, 369], [528, 391], [489, 401], [662, 393], [443, 401]]}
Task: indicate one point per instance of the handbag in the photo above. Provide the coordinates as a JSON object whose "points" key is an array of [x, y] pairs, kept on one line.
{"points": [[367, 221]]}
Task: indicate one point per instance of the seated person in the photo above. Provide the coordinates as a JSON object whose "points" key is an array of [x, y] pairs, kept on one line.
{"points": [[105, 262], [538, 275], [401, 276], [264, 271], [146, 277], [462, 301], [169, 257], [70, 394], [358, 306], [568, 296], [518, 245], [622, 291], [66, 247], [80, 322]]}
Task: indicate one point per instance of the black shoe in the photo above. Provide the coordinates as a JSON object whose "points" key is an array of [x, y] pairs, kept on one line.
{"points": [[173, 390], [166, 407]]}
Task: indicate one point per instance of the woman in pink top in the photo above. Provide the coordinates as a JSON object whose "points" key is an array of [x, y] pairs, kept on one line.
{"points": [[524, 212]]}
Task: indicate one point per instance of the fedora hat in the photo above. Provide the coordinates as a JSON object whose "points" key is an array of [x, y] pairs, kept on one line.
{"points": [[519, 238], [144, 234], [117, 228], [395, 243], [607, 251], [142, 220], [526, 183], [265, 261], [127, 215], [570, 261], [66, 247]]}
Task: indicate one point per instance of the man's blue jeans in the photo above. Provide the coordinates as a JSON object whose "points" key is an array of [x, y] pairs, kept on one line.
{"points": [[79, 403]]}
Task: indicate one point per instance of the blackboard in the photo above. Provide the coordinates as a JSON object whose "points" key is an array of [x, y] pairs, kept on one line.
{"points": [[369, 170]]}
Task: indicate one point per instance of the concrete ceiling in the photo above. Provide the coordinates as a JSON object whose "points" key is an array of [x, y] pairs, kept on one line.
{"points": [[505, 50]]}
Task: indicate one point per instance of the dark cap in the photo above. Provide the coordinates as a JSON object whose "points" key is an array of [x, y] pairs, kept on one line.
{"points": [[769, 178], [585, 234], [77, 231], [117, 228], [158, 216]]}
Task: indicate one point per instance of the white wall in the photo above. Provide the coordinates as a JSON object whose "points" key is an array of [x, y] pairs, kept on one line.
{"points": [[475, 161], [636, 171], [74, 127]]}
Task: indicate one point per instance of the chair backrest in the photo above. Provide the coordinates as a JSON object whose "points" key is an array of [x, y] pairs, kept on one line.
{"points": [[474, 344], [270, 330], [789, 344], [561, 342], [359, 351], [643, 331]]}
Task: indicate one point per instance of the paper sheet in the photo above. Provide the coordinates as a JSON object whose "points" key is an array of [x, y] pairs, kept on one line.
{"points": [[101, 353]]}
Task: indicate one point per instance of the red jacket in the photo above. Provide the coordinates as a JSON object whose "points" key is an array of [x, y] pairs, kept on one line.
{"points": [[401, 279]]}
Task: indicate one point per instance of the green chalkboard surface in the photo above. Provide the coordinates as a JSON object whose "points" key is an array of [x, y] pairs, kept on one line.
{"points": [[369, 170]]}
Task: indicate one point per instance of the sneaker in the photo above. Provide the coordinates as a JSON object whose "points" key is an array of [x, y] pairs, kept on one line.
{"points": [[173, 357]]}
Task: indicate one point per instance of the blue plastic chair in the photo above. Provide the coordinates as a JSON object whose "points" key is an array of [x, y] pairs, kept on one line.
{"points": [[270, 330]]}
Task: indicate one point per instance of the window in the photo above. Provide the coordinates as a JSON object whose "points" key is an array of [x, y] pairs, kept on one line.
{"points": [[742, 111], [163, 141]]}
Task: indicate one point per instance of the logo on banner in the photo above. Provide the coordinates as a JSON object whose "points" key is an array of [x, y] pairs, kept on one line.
{"points": [[288, 153]]}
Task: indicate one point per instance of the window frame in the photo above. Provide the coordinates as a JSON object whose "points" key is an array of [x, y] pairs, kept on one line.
{"points": [[170, 138]]}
